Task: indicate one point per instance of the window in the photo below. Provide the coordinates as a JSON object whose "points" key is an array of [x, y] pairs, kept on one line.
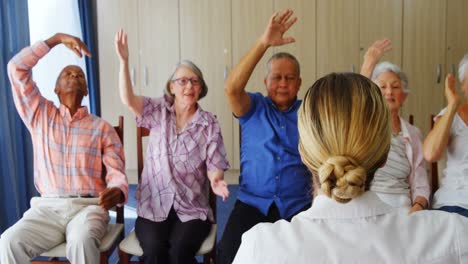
{"points": [[47, 17]]}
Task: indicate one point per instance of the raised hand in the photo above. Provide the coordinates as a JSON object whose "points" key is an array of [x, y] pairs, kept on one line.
{"points": [[373, 55], [220, 188], [376, 51], [110, 197], [121, 45], [277, 26], [450, 91], [71, 42], [76, 45]]}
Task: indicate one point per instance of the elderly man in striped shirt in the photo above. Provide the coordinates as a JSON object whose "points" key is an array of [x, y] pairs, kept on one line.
{"points": [[71, 148]]}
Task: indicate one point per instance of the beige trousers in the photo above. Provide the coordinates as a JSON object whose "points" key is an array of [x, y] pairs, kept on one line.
{"points": [[51, 221]]}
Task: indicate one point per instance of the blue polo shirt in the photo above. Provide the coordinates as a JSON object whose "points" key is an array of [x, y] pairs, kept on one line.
{"points": [[271, 167]]}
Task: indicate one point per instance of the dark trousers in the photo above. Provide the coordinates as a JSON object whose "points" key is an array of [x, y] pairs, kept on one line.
{"points": [[171, 241], [242, 218], [455, 209]]}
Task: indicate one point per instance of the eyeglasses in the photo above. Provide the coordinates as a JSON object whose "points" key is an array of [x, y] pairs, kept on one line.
{"points": [[183, 81]]}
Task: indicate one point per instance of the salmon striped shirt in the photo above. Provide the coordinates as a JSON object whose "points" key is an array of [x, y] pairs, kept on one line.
{"points": [[70, 152]]}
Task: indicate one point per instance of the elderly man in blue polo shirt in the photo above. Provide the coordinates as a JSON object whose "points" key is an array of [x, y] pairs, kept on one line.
{"points": [[274, 183]]}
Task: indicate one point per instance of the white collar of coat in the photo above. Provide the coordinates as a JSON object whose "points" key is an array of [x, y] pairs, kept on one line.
{"points": [[366, 205]]}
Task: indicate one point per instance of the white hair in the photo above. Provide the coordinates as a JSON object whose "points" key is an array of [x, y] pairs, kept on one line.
{"points": [[390, 67], [462, 68]]}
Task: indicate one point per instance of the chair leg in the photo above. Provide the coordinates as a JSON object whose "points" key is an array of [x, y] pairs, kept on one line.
{"points": [[213, 256], [210, 258], [124, 258], [103, 258]]}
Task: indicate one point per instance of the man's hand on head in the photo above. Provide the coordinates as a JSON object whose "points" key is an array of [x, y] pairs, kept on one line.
{"points": [[110, 197], [71, 42]]}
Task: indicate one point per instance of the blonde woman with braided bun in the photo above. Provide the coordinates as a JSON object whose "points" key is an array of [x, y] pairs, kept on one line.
{"points": [[345, 134]]}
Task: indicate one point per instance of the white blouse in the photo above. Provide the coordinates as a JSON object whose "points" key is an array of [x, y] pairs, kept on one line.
{"points": [[365, 230], [453, 190]]}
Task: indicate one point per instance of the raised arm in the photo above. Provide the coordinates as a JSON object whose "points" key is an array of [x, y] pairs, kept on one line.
{"points": [[71, 42], [238, 98], [132, 101], [373, 56], [26, 95], [437, 139]]}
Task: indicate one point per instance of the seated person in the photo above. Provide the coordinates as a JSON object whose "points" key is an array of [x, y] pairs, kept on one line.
{"points": [[70, 148], [450, 135], [185, 156], [274, 183], [345, 134], [403, 181]]}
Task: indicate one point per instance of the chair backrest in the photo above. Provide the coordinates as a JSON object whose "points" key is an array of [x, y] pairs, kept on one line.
{"points": [[141, 132], [144, 132], [434, 168], [120, 132]]}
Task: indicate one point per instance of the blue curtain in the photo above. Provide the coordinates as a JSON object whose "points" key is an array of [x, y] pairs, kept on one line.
{"points": [[92, 70], [16, 156]]}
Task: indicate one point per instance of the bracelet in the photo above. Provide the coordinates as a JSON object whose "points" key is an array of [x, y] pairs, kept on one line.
{"points": [[420, 204]]}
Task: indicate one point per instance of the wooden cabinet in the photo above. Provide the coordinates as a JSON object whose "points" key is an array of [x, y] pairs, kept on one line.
{"points": [[424, 35], [337, 36], [378, 20], [304, 31], [111, 16], [457, 38], [199, 20], [346, 28], [249, 19], [159, 44], [331, 36]]}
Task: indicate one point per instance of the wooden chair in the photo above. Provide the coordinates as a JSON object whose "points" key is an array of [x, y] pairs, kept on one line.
{"points": [[115, 232], [434, 168], [131, 247]]}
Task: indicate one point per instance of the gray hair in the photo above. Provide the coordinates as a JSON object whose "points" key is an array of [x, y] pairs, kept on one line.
{"points": [[194, 68], [462, 68], [283, 55], [390, 67]]}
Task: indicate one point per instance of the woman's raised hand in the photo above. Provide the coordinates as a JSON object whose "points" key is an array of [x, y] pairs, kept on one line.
{"points": [[376, 51], [121, 45], [450, 91]]}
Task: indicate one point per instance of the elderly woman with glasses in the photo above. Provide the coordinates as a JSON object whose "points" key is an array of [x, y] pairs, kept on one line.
{"points": [[403, 181], [450, 135], [185, 151]]}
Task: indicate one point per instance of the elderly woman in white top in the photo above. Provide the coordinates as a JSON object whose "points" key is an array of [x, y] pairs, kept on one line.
{"points": [[403, 181], [344, 128], [450, 134]]}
